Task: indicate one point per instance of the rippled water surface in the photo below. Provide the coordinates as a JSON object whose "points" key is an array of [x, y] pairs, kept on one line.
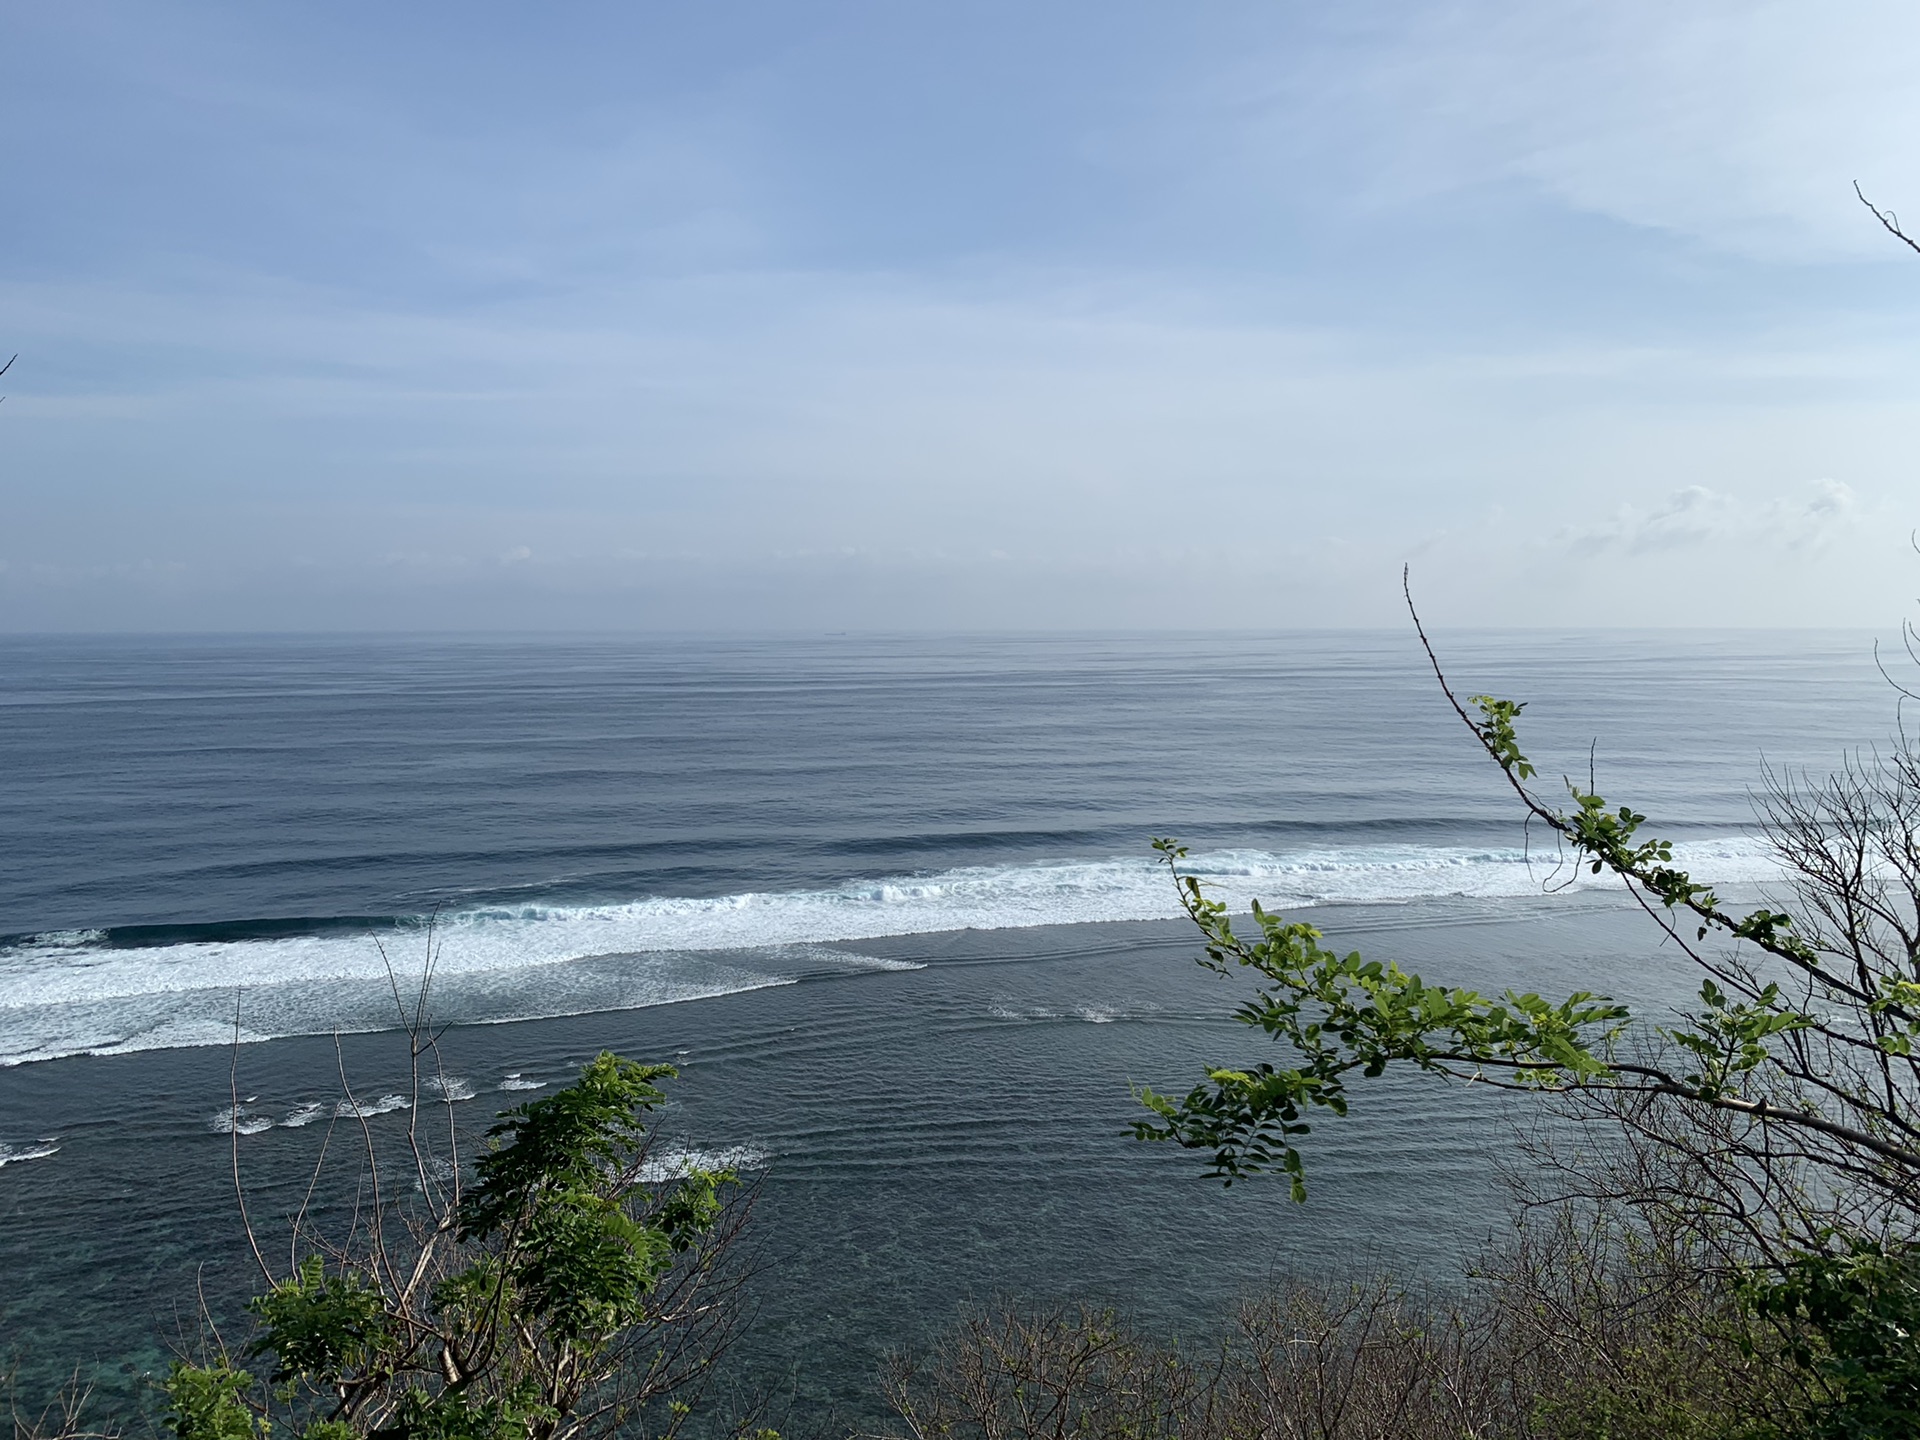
{"points": [[901, 890]]}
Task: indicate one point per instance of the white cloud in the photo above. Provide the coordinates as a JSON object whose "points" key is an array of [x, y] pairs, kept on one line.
{"points": [[1738, 124], [1695, 515]]}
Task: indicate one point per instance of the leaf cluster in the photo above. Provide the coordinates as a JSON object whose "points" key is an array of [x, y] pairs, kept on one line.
{"points": [[1810, 1048], [519, 1307], [1342, 1015], [1851, 1313]]}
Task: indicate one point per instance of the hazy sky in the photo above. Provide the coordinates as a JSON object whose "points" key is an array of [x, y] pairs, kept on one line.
{"points": [[972, 315]]}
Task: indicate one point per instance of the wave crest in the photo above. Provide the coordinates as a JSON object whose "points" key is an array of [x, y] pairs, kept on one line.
{"points": [[80, 992]]}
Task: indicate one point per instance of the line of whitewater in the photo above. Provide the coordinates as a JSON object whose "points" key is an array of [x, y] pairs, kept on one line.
{"points": [[82, 967]]}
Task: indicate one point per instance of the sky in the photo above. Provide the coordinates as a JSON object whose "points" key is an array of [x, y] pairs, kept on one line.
{"points": [[968, 316]]}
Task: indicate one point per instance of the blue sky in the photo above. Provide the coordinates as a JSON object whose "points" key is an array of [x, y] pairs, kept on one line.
{"points": [[879, 315]]}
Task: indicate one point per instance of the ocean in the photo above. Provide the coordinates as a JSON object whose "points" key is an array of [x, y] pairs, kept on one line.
{"points": [[888, 901]]}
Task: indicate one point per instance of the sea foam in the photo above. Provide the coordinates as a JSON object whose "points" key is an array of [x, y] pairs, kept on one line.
{"points": [[680, 1161], [239, 1120], [75, 992]]}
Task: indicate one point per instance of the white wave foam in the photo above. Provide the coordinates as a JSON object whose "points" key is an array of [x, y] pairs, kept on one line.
{"points": [[495, 939], [674, 1163], [363, 1109], [238, 1120], [303, 1115], [67, 994], [1092, 1014], [68, 939], [878, 962], [448, 1088], [39, 1150], [514, 1082]]}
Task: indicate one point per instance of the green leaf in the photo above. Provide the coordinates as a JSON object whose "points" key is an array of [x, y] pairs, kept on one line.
{"points": [[204, 1402]]}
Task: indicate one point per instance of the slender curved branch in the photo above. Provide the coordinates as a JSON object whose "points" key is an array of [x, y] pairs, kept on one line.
{"points": [[1888, 220]]}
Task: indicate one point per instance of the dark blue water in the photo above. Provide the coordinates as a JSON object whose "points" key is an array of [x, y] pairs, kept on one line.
{"points": [[170, 782], [900, 887]]}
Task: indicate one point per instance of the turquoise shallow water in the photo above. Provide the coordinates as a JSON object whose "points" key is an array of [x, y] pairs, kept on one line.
{"points": [[855, 886]]}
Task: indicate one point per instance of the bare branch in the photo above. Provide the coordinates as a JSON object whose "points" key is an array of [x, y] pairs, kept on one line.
{"points": [[1888, 220]]}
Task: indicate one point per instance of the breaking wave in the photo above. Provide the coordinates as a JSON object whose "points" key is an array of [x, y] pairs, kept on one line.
{"points": [[366, 1109], [239, 1120], [105, 992], [677, 1162], [38, 1150]]}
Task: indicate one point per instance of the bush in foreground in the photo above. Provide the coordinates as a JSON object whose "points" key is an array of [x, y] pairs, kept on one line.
{"points": [[1572, 1332], [566, 1292]]}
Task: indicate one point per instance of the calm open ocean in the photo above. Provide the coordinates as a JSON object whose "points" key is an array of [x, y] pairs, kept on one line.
{"points": [[902, 885]]}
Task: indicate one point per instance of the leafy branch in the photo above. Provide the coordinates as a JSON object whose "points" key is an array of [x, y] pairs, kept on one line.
{"points": [[1341, 1013], [1803, 1033], [570, 1289]]}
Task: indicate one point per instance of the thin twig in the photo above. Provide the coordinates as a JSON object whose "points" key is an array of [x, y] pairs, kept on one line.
{"points": [[233, 1132], [1888, 220]]}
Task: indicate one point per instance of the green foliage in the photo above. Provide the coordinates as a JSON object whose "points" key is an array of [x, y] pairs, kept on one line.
{"points": [[1852, 1317], [1730, 1037], [555, 1185], [512, 1314], [1337, 1014], [1604, 839], [1497, 733], [319, 1326], [1341, 1014], [459, 1415], [1791, 1085], [207, 1402], [567, 1142], [583, 1266]]}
